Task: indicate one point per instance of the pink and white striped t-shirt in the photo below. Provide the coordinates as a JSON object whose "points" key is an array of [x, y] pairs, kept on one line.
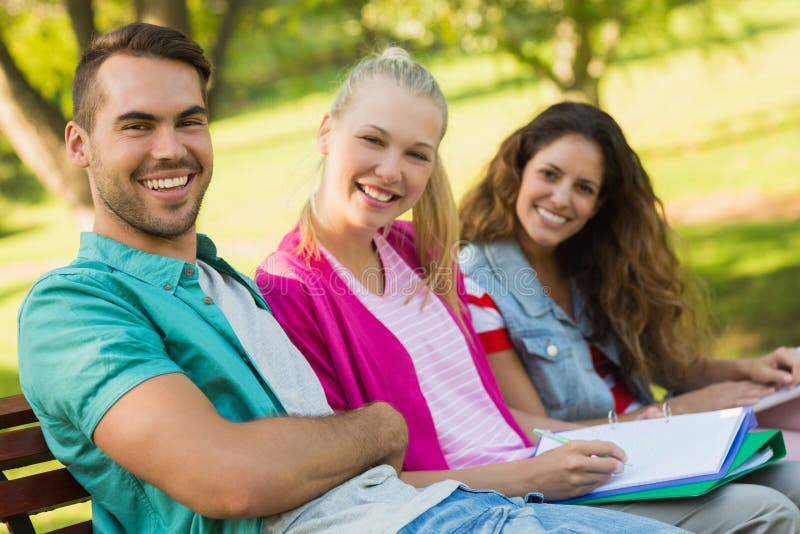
{"points": [[471, 430]]}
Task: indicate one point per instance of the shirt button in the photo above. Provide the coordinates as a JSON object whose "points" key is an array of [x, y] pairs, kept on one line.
{"points": [[208, 300], [168, 287], [552, 350], [188, 271]]}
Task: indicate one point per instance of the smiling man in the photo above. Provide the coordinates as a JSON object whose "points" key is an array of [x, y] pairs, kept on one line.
{"points": [[160, 376], [146, 146]]}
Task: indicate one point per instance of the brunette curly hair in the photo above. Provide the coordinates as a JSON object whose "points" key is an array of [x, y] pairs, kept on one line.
{"points": [[622, 260]]}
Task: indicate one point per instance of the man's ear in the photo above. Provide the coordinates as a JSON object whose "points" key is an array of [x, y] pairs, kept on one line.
{"points": [[324, 133], [77, 140]]}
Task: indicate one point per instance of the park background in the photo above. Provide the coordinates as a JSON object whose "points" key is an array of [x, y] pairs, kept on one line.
{"points": [[707, 92]]}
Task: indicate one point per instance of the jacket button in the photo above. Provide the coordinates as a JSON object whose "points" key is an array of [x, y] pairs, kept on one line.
{"points": [[208, 300], [552, 350], [168, 287], [188, 271]]}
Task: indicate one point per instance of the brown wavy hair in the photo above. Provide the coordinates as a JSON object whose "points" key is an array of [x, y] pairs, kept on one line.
{"points": [[623, 260]]}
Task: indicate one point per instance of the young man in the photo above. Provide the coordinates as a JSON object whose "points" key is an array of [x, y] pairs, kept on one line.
{"points": [[159, 375]]}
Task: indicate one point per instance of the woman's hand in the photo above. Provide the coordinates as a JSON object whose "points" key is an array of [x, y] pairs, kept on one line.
{"points": [[568, 471], [574, 469], [719, 396], [780, 367]]}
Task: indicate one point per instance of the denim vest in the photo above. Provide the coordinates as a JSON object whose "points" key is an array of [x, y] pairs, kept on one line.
{"points": [[552, 345]]}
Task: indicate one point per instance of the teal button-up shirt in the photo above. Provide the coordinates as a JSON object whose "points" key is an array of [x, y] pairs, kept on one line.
{"points": [[113, 318]]}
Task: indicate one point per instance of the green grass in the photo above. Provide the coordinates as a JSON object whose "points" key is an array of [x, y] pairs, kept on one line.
{"points": [[753, 273], [724, 124]]}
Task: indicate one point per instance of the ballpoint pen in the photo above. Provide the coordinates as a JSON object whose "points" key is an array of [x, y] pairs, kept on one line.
{"points": [[561, 439]]}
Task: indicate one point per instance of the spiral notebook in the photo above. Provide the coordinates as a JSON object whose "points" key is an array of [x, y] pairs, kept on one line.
{"points": [[676, 451]]}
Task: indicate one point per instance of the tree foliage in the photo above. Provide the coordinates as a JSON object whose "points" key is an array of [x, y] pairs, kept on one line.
{"points": [[569, 43], [261, 43]]}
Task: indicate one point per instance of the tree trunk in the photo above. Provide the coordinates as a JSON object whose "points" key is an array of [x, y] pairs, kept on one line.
{"points": [[583, 82], [81, 15], [588, 91], [171, 13], [218, 51], [36, 131]]}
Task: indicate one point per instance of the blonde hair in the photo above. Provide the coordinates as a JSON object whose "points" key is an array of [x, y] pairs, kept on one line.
{"points": [[434, 215]]}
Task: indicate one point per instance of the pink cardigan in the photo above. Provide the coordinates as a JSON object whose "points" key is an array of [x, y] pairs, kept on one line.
{"points": [[357, 359]]}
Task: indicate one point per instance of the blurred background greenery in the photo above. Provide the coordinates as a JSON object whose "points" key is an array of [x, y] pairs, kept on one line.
{"points": [[706, 91]]}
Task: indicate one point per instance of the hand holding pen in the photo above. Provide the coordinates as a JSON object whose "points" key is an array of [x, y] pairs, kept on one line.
{"points": [[573, 469], [561, 439]]}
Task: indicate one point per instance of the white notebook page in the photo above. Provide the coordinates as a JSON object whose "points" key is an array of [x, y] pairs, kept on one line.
{"points": [[661, 450]]}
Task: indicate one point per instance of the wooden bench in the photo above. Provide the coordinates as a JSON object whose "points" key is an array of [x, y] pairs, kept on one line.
{"points": [[22, 497]]}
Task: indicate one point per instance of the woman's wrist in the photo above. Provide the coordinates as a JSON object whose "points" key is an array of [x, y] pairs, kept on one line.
{"points": [[748, 367], [722, 370]]}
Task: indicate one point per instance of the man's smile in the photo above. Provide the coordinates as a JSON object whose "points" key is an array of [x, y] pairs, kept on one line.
{"points": [[161, 184]]}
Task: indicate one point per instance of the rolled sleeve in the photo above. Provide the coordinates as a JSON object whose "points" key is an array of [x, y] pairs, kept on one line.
{"points": [[82, 347]]}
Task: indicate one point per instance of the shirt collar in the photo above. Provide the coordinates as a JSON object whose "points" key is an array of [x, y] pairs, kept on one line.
{"points": [[152, 269], [509, 263]]}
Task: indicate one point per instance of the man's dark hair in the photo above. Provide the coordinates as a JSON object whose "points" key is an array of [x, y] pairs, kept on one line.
{"points": [[137, 39]]}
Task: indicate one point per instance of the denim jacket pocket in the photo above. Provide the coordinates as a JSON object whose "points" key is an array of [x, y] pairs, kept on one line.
{"points": [[546, 345], [548, 359]]}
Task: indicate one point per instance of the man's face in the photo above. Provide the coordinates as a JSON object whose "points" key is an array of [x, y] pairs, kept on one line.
{"points": [[149, 156]]}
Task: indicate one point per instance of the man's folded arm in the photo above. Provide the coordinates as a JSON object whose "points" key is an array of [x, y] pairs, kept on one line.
{"points": [[168, 433]]}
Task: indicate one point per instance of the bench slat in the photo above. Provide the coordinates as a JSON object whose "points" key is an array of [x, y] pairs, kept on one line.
{"points": [[77, 528], [15, 411], [22, 447], [36, 493], [39, 493], [20, 524]]}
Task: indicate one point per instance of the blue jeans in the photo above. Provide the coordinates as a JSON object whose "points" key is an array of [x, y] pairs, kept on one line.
{"points": [[468, 511]]}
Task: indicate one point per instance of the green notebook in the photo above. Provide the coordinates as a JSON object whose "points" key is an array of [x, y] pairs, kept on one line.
{"points": [[755, 448]]}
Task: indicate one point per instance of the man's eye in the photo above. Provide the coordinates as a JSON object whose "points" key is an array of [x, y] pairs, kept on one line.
{"points": [[135, 126]]}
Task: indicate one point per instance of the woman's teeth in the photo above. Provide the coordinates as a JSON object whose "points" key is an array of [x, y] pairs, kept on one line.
{"points": [[552, 217], [375, 194]]}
